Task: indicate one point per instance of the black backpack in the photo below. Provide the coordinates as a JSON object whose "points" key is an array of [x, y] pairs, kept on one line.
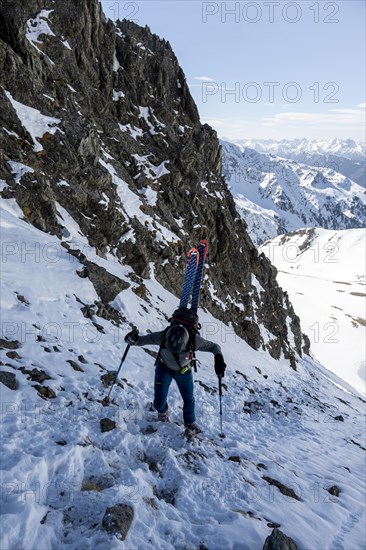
{"points": [[190, 320]]}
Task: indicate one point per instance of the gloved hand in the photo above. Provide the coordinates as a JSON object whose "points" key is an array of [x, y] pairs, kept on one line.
{"points": [[220, 365], [132, 337]]}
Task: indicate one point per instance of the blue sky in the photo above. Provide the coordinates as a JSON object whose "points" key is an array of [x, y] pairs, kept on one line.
{"points": [[266, 69]]}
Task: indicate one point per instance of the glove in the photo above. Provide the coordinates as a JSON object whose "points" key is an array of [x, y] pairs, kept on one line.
{"points": [[220, 365], [132, 337]]}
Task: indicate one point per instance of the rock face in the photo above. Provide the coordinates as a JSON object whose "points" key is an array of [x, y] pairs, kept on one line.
{"points": [[124, 153]]}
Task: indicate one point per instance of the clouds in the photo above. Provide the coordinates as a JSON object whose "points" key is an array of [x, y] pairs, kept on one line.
{"points": [[352, 118], [204, 78], [342, 122]]}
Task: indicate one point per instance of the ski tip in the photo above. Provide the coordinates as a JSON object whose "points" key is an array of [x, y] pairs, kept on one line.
{"points": [[193, 252]]}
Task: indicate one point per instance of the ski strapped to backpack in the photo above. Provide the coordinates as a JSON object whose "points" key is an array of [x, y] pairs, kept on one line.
{"points": [[189, 277], [202, 251], [184, 315]]}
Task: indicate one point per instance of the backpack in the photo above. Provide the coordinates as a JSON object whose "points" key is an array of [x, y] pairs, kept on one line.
{"points": [[190, 320]]}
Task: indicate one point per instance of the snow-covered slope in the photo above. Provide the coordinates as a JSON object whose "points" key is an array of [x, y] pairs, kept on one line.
{"points": [[275, 195], [295, 433], [343, 156], [324, 274]]}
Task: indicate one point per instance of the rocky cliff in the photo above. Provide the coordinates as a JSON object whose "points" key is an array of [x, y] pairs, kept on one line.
{"points": [[96, 119]]}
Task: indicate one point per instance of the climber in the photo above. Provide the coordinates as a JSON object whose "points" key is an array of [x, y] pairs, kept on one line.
{"points": [[175, 361]]}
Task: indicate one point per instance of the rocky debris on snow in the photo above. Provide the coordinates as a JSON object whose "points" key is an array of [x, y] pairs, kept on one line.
{"points": [[75, 365], [168, 494], [247, 514], [152, 464], [149, 430], [151, 502], [334, 490], [106, 425], [252, 407], [13, 355], [279, 541], [287, 491], [192, 460], [9, 344], [117, 520], [235, 458], [243, 375], [8, 379], [45, 392], [272, 524], [98, 482], [22, 300], [207, 389], [35, 375], [106, 285], [108, 378]]}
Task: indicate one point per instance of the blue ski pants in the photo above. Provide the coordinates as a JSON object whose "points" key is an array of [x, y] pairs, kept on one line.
{"points": [[163, 379]]}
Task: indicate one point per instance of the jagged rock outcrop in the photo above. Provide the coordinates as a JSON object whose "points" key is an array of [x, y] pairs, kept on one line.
{"points": [[279, 541], [119, 146]]}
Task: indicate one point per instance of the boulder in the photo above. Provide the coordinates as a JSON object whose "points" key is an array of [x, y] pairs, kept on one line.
{"points": [[279, 541], [8, 379], [117, 520]]}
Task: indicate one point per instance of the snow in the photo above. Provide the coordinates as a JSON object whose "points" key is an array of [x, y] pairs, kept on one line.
{"points": [[116, 63], [66, 44], [18, 169], [33, 121], [131, 204], [11, 132], [324, 273], [218, 503], [150, 195], [146, 113], [37, 26], [117, 95], [150, 170], [63, 183], [134, 132]]}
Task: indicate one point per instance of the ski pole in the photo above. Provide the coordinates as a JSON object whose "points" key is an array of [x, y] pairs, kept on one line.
{"points": [[106, 399], [222, 435]]}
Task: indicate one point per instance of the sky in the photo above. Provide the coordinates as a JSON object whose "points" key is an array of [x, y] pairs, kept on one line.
{"points": [[266, 70]]}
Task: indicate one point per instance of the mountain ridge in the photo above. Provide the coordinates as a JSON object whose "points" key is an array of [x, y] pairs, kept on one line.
{"points": [[119, 146], [289, 195]]}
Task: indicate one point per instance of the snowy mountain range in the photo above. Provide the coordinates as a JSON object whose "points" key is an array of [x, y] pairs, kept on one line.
{"points": [[324, 273], [290, 148], [343, 156], [107, 179], [276, 195]]}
